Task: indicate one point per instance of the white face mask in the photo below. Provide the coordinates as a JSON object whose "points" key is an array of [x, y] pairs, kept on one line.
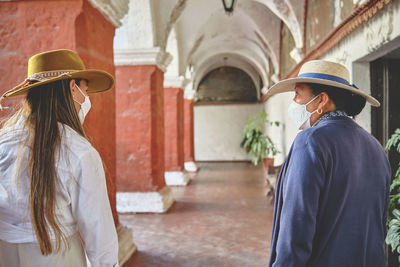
{"points": [[300, 115], [85, 106]]}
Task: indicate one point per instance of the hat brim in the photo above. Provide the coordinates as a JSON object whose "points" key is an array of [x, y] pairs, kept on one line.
{"points": [[98, 81], [289, 85]]}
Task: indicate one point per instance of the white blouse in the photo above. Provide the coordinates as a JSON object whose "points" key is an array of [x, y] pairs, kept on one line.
{"points": [[81, 197]]}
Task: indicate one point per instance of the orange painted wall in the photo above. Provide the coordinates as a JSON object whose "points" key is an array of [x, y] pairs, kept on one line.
{"points": [[94, 38], [188, 130], [25, 33], [31, 27], [173, 110], [140, 128]]}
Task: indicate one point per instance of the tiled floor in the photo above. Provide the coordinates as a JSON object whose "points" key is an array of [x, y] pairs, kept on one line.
{"points": [[222, 218]]}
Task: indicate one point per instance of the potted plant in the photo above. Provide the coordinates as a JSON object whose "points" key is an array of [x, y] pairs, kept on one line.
{"points": [[258, 145], [393, 233]]}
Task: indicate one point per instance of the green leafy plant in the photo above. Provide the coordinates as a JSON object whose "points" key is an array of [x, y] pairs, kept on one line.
{"points": [[257, 144], [393, 234]]}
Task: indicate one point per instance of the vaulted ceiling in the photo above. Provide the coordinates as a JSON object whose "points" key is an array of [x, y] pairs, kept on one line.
{"points": [[201, 37]]}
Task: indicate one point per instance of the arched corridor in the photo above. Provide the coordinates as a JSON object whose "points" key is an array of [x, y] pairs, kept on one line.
{"points": [[222, 219]]}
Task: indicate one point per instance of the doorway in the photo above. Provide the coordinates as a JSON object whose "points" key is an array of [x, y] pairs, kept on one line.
{"points": [[385, 86]]}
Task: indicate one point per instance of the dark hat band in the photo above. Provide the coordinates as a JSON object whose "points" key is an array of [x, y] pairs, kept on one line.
{"points": [[326, 77]]}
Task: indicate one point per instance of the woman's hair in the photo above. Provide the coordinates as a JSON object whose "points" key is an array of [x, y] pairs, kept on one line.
{"points": [[345, 100], [45, 107]]}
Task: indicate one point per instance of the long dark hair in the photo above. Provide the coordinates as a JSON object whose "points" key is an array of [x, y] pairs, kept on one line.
{"points": [[47, 106]]}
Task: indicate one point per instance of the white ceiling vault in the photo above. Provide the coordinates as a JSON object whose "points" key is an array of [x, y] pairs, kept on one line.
{"points": [[200, 36]]}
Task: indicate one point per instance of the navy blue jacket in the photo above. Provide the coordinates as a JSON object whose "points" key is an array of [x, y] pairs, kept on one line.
{"points": [[331, 199]]}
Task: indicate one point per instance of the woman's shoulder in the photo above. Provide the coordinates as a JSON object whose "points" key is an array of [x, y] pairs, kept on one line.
{"points": [[15, 132], [309, 135], [333, 132], [318, 137], [10, 133], [74, 142]]}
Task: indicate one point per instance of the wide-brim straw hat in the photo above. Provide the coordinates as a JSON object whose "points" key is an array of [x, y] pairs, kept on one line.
{"points": [[51, 66], [321, 72]]}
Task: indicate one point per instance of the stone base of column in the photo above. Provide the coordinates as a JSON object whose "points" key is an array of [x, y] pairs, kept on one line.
{"points": [[126, 247], [176, 178], [191, 166], [157, 202]]}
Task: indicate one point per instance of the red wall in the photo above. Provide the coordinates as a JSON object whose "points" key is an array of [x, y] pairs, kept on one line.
{"points": [[94, 37], [173, 109], [188, 130], [25, 33], [140, 128], [31, 27]]}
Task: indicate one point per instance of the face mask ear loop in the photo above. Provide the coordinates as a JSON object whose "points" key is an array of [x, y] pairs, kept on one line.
{"points": [[80, 92], [77, 101], [312, 99]]}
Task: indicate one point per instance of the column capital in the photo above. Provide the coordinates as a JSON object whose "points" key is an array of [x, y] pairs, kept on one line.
{"points": [[142, 56], [113, 11], [189, 94], [175, 82], [264, 90]]}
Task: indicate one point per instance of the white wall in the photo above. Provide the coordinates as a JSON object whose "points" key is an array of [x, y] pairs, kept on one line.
{"points": [[276, 108], [218, 131]]}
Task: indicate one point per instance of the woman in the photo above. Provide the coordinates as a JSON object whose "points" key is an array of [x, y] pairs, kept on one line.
{"points": [[52, 183], [332, 193]]}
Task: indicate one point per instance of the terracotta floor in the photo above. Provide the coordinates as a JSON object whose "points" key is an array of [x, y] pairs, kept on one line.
{"points": [[221, 219]]}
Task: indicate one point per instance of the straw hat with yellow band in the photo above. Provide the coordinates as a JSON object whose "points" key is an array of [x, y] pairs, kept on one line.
{"points": [[60, 64], [322, 72]]}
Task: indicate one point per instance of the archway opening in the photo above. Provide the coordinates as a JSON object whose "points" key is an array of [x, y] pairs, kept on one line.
{"points": [[226, 85]]}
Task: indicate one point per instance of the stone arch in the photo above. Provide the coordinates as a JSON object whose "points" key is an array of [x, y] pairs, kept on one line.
{"points": [[226, 84], [137, 27], [284, 10], [172, 49], [246, 51], [234, 59]]}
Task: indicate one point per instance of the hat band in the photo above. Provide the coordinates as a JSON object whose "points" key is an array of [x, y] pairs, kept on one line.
{"points": [[46, 75], [324, 77]]}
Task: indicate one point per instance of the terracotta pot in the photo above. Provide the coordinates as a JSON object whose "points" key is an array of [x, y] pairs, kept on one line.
{"points": [[247, 149], [268, 162]]}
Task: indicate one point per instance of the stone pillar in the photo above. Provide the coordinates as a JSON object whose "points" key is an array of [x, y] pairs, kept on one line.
{"points": [[175, 175], [89, 32], [188, 106], [140, 131]]}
